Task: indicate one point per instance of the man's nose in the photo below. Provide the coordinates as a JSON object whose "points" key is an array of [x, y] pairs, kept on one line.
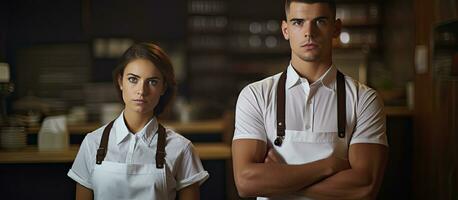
{"points": [[309, 29]]}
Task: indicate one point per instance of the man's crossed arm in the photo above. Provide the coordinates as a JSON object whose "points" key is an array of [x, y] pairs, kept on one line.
{"points": [[260, 171]]}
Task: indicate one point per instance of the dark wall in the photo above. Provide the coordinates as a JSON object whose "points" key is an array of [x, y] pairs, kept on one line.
{"points": [[50, 181], [3, 28], [48, 21], [398, 173], [30, 22], [143, 20], [54, 21]]}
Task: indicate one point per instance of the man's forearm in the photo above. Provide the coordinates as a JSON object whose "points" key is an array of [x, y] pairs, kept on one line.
{"points": [[361, 181], [268, 179], [347, 184]]}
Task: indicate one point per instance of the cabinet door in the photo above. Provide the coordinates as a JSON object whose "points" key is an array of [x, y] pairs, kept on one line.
{"points": [[445, 142]]}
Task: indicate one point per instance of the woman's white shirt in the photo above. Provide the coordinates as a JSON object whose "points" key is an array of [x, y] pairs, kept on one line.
{"points": [[183, 165]]}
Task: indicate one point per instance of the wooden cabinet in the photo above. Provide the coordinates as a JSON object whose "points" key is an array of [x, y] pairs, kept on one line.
{"points": [[445, 99], [435, 121]]}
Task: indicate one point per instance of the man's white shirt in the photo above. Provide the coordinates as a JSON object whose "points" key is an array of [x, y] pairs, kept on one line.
{"points": [[310, 116]]}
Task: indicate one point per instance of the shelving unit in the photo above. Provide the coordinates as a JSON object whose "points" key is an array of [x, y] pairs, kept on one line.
{"points": [[360, 39], [361, 22], [230, 46], [207, 58]]}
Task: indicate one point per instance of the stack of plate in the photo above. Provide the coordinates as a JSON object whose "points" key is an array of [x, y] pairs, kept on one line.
{"points": [[12, 137]]}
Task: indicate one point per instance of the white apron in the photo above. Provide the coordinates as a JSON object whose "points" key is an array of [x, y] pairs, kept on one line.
{"points": [[317, 145], [113, 181]]}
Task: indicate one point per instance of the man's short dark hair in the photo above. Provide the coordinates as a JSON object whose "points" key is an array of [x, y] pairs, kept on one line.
{"points": [[331, 4]]}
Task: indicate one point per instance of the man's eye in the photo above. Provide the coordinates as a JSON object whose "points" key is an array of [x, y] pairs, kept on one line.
{"points": [[321, 22], [296, 23], [132, 80]]}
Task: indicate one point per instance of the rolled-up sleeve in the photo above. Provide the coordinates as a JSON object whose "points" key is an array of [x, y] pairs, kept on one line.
{"points": [[82, 166], [190, 170], [249, 120], [371, 120]]}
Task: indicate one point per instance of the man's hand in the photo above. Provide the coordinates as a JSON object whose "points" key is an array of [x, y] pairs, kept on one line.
{"points": [[361, 181], [273, 157], [259, 171], [338, 164]]}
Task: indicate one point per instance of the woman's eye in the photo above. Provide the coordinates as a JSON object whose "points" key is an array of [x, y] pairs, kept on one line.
{"points": [[152, 82], [132, 79]]}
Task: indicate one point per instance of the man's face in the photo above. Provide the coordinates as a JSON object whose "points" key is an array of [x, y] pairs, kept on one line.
{"points": [[310, 29]]}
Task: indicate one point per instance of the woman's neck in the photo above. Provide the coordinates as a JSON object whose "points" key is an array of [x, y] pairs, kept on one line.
{"points": [[135, 121]]}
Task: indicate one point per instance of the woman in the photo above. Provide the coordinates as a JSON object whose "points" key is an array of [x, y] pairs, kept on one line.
{"points": [[134, 157]]}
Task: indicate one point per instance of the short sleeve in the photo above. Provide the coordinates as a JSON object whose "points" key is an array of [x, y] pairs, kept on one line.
{"points": [[249, 120], [189, 168], [370, 120], [83, 165]]}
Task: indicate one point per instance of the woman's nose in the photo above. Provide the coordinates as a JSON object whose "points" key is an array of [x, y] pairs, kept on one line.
{"points": [[142, 89]]}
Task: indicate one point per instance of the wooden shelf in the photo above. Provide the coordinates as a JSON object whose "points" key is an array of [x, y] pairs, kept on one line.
{"points": [[397, 111], [214, 126], [31, 154], [201, 127]]}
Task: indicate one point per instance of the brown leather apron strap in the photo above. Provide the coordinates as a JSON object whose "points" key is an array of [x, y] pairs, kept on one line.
{"points": [[341, 108], [281, 109], [160, 151], [341, 105], [102, 151]]}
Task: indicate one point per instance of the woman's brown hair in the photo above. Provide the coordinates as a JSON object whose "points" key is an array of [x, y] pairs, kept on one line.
{"points": [[159, 58]]}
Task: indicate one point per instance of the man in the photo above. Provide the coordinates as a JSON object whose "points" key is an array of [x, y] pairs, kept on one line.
{"points": [[290, 143]]}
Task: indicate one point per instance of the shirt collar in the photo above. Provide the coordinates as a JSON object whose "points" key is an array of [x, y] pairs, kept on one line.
{"points": [[146, 133], [292, 78], [329, 77], [326, 79]]}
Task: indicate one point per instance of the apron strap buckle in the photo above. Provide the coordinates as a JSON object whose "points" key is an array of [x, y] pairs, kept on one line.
{"points": [[160, 159], [100, 155], [279, 140]]}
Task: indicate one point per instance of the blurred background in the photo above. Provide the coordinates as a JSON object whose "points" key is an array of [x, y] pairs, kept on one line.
{"points": [[56, 59]]}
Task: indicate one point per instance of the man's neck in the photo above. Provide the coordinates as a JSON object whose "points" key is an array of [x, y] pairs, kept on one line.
{"points": [[312, 71]]}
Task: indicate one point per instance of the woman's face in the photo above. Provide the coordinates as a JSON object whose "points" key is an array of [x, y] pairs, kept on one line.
{"points": [[142, 85]]}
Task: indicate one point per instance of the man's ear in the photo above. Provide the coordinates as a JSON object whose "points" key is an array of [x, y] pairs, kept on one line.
{"points": [[337, 28], [284, 29]]}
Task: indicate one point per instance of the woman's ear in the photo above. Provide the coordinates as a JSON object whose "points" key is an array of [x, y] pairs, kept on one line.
{"points": [[164, 88], [120, 82]]}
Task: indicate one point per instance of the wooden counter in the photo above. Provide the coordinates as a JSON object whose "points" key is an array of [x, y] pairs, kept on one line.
{"points": [[31, 154], [201, 127], [214, 126]]}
